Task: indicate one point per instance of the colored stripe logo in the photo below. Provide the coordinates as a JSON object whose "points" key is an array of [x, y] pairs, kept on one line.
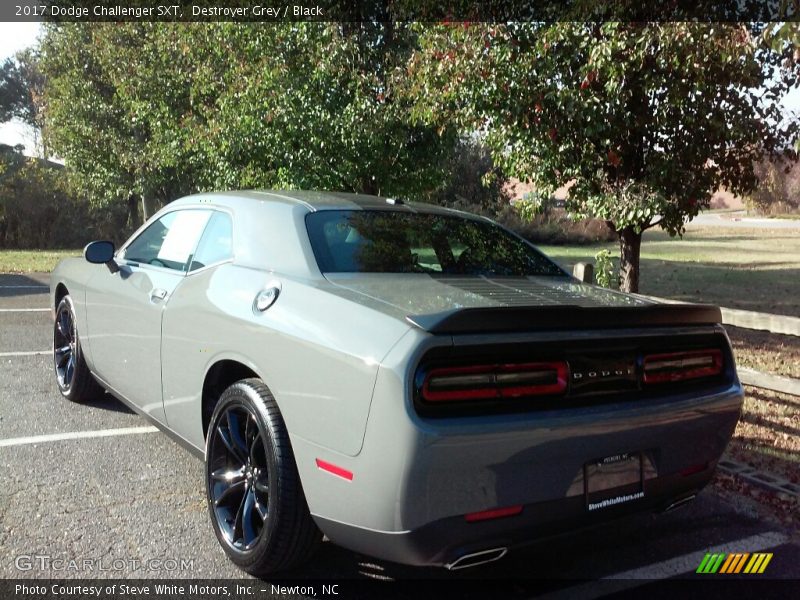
{"points": [[755, 563]]}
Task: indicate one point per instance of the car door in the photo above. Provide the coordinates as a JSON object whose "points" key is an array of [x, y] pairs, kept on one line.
{"points": [[124, 309], [188, 329]]}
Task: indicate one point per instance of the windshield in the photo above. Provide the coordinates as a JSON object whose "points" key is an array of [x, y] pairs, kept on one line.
{"points": [[386, 241]]}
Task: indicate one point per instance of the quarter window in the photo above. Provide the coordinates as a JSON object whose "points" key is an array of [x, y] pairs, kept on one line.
{"points": [[216, 245]]}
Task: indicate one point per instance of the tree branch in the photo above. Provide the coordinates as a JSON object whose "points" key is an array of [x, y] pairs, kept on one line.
{"points": [[651, 225]]}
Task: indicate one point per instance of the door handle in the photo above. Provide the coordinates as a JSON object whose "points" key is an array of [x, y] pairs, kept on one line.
{"points": [[158, 294]]}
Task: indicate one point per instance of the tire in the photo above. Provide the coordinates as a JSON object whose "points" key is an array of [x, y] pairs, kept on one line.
{"points": [[255, 500], [74, 380]]}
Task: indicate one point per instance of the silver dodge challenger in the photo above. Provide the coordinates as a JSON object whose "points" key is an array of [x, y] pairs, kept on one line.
{"points": [[416, 383]]}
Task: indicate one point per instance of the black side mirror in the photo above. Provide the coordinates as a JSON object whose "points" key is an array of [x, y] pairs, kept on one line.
{"points": [[101, 253]]}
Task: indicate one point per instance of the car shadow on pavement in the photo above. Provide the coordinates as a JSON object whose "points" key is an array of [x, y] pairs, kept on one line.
{"points": [[107, 402], [549, 564], [536, 562], [13, 284]]}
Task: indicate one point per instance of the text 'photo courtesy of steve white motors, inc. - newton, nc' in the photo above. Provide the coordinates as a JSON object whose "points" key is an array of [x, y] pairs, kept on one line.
{"points": [[168, 11], [195, 590]]}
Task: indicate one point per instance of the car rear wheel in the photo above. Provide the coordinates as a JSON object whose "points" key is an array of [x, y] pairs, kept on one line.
{"points": [[255, 499], [75, 381]]}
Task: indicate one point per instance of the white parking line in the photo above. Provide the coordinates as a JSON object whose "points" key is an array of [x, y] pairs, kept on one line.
{"points": [[680, 565], [24, 287], [31, 353], [24, 310], [77, 435]]}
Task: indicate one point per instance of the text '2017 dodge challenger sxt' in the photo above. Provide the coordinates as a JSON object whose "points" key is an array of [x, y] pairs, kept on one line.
{"points": [[417, 383]]}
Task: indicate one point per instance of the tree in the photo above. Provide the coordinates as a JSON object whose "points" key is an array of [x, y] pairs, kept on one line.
{"points": [[33, 202], [21, 87], [36, 209], [14, 99], [648, 119], [778, 35], [312, 105], [118, 111], [157, 110], [777, 190], [473, 181]]}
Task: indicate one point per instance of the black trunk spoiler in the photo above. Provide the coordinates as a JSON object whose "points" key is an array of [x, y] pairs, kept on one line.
{"points": [[562, 317]]}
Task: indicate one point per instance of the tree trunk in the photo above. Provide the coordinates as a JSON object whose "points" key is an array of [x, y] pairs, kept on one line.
{"points": [[147, 207], [630, 245], [133, 213], [368, 186]]}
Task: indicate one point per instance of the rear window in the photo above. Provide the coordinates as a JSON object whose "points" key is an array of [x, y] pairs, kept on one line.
{"points": [[386, 241]]}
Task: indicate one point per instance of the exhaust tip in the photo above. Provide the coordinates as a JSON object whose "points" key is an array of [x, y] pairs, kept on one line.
{"points": [[679, 503], [474, 559]]}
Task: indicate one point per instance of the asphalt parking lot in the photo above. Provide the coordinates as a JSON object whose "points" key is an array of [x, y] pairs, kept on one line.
{"points": [[93, 486]]}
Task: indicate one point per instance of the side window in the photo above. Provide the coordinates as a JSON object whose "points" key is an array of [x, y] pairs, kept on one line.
{"points": [[216, 244], [169, 242]]}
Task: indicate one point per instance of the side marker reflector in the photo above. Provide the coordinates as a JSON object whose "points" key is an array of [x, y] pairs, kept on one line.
{"points": [[331, 468], [694, 469], [493, 513]]}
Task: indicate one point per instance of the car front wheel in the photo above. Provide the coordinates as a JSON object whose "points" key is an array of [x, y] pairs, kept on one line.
{"points": [[255, 499], [75, 381]]}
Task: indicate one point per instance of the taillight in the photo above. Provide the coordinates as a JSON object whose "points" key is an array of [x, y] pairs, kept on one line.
{"points": [[485, 382], [678, 366]]}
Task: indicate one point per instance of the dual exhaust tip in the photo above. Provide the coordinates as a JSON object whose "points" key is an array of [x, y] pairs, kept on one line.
{"points": [[679, 503], [474, 559]]}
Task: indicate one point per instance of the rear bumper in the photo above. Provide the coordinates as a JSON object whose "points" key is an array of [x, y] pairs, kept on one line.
{"points": [[413, 485], [442, 542], [416, 478]]}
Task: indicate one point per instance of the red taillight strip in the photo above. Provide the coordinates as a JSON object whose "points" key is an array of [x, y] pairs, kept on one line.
{"points": [[495, 381], [682, 365], [493, 513], [331, 468]]}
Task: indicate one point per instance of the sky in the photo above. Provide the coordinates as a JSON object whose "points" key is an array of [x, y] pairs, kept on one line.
{"points": [[17, 36]]}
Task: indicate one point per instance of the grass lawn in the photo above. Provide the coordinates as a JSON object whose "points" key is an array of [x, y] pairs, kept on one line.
{"points": [[751, 269], [32, 261]]}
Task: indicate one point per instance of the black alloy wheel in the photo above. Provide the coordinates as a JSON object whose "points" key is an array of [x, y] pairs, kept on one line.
{"points": [[65, 341], [239, 477], [255, 499], [75, 381]]}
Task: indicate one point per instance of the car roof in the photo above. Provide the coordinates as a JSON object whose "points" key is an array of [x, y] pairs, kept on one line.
{"points": [[270, 224], [315, 201]]}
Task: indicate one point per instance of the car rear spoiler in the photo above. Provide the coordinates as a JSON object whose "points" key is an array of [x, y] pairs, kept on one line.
{"points": [[561, 317]]}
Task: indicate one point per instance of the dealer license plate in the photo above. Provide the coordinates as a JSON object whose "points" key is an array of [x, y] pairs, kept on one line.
{"points": [[613, 480]]}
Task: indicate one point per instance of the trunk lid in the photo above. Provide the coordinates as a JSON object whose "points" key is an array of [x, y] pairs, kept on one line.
{"points": [[453, 305]]}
